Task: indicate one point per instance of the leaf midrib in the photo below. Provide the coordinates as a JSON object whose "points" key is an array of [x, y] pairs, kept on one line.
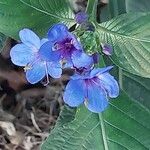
{"points": [[76, 129], [103, 131], [107, 31], [100, 123], [47, 13]]}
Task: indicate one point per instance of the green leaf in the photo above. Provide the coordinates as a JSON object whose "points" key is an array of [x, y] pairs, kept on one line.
{"points": [[124, 126], [112, 9], [91, 9], [38, 15], [129, 34], [66, 115], [134, 5], [2, 41], [137, 87]]}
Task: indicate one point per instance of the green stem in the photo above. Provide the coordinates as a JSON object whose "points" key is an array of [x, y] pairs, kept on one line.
{"points": [[104, 136], [91, 9], [103, 131], [102, 62], [120, 78]]}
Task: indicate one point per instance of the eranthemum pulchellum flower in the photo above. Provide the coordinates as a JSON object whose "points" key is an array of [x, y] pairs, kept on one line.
{"points": [[92, 87], [107, 49], [65, 47], [81, 17], [29, 55], [44, 57]]}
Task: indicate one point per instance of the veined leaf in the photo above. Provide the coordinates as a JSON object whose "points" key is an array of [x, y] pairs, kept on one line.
{"points": [[137, 87], [134, 5], [125, 125], [112, 9], [36, 14], [129, 34]]}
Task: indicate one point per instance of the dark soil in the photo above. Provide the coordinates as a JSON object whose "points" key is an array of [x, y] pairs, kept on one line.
{"points": [[27, 112]]}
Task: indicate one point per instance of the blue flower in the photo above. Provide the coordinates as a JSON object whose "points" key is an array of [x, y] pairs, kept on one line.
{"points": [[91, 88], [107, 49], [64, 47], [96, 57], [29, 55], [81, 17]]}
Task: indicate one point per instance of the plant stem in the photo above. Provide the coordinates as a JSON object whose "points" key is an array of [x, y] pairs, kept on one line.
{"points": [[120, 78], [103, 131], [91, 9], [102, 64]]}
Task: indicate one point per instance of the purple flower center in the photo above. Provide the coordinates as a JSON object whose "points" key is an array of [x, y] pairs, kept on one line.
{"points": [[65, 47], [65, 44]]}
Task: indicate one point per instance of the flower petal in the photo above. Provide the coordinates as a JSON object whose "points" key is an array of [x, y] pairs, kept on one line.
{"points": [[96, 99], [57, 32], [47, 54], [30, 39], [81, 17], [81, 59], [96, 57], [54, 69], [110, 84], [97, 71], [44, 40], [74, 93], [36, 73], [75, 42], [76, 77], [21, 55], [68, 64], [107, 49]]}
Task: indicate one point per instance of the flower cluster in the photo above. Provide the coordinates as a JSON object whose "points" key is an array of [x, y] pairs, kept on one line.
{"points": [[61, 49]]}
